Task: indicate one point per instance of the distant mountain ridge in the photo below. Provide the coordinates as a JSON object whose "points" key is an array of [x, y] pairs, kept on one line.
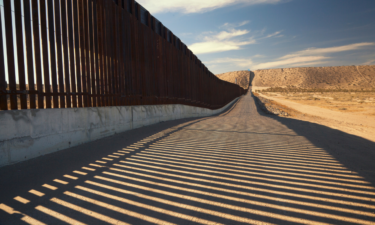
{"points": [[243, 78], [338, 77]]}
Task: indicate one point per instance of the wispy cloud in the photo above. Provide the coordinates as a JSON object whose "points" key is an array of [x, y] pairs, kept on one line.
{"points": [[248, 62], [259, 56], [196, 6], [225, 35], [369, 62], [243, 63], [310, 56], [234, 25], [231, 38], [218, 46], [226, 40], [274, 34], [319, 51], [307, 57], [295, 61]]}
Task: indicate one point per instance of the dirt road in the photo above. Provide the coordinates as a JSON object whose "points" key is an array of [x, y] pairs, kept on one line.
{"points": [[240, 167]]}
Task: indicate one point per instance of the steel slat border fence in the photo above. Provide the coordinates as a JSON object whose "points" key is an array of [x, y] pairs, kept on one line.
{"points": [[96, 53]]}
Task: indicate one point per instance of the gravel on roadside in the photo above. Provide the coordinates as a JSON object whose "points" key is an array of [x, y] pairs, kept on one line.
{"points": [[269, 106]]}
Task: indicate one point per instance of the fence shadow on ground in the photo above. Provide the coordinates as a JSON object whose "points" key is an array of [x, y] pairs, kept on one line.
{"points": [[355, 153], [194, 171]]}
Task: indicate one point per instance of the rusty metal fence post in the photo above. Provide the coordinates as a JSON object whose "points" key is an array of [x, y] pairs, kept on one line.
{"points": [[95, 53]]}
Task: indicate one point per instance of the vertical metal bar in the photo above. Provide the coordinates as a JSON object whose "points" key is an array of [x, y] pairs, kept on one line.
{"points": [[88, 53], [141, 50], [45, 63], [52, 45], [52, 57], [180, 71], [154, 70], [109, 88], [138, 53], [10, 53], [70, 46], [164, 65], [109, 52], [96, 55], [114, 52], [29, 52], [171, 67], [65, 34], [60, 67], [151, 57], [78, 49], [128, 57], [145, 66], [133, 41], [174, 68], [104, 52], [120, 52], [126, 52], [187, 74], [83, 50], [3, 84], [100, 51], [20, 52], [159, 68], [184, 70], [91, 52]]}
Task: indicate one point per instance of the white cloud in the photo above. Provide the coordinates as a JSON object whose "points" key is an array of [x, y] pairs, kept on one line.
{"points": [[227, 40], [259, 56], [224, 35], [295, 61], [218, 46], [274, 34], [307, 57], [310, 56], [234, 25], [369, 62], [196, 6], [237, 61], [320, 51]]}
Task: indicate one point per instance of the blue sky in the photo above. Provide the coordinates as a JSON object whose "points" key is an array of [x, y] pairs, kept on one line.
{"points": [[230, 35]]}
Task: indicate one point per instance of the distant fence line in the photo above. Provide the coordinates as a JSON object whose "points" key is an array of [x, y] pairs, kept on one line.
{"points": [[94, 53]]}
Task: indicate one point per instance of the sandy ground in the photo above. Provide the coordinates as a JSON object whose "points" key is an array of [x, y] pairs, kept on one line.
{"points": [[240, 167], [356, 123]]}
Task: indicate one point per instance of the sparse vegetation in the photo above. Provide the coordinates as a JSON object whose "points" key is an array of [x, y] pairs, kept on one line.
{"points": [[355, 101], [310, 90]]}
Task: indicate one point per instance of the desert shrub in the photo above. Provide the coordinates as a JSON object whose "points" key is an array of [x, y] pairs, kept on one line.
{"points": [[300, 90]]}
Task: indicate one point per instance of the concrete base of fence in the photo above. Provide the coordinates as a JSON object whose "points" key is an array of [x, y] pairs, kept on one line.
{"points": [[26, 134]]}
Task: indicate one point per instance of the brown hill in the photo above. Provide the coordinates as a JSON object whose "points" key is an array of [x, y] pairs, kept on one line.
{"points": [[243, 78], [340, 77]]}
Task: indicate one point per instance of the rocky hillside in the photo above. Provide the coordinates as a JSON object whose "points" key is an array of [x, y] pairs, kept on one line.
{"points": [[243, 78], [341, 77]]}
